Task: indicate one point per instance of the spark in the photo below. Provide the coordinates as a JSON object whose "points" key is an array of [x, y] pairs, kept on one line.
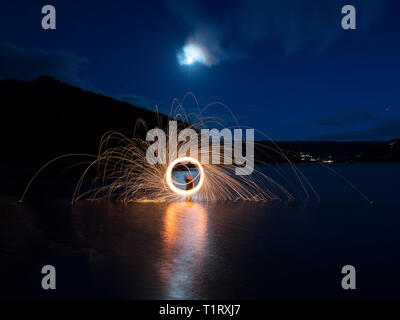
{"points": [[122, 173], [171, 185]]}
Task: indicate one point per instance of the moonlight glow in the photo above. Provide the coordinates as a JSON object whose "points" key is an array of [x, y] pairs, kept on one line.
{"points": [[192, 53]]}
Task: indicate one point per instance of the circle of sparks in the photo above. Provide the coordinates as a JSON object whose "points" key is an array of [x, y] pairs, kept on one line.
{"points": [[171, 185]]}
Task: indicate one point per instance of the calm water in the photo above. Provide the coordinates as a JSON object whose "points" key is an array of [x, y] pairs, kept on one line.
{"points": [[218, 250]]}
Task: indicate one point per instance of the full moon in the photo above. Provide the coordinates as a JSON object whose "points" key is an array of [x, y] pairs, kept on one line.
{"points": [[192, 53]]}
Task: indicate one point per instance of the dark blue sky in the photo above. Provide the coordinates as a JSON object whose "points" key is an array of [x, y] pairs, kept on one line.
{"points": [[284, 67]]}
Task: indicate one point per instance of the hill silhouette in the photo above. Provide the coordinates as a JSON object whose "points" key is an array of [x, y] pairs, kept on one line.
{"points": [[337, 151], [45, 118]]}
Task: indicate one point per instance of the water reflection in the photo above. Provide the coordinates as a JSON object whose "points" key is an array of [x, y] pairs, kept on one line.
{"points": [[232, 250], [184, 249]]}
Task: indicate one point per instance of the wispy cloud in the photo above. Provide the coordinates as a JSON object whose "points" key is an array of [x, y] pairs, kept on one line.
{"points": [[384, 131], [346, 117], [294, 24], [28, 64]]}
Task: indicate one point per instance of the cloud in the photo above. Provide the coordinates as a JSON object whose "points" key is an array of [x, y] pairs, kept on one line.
{"points": [[346, 117], [294, 24], [385, 131], [28, 64]]}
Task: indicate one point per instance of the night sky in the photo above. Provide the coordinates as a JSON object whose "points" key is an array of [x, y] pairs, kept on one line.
{"points": [[284, 67]]}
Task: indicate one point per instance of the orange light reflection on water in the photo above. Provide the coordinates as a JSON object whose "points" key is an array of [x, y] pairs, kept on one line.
{"points": [[184, 241]]}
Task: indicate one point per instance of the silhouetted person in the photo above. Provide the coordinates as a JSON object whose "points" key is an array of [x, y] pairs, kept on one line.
{"points": [[189, 186]]}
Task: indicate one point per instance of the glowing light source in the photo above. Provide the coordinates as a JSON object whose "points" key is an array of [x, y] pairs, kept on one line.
{"points": [[192, 53], [122, 172], [168, 176]]}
